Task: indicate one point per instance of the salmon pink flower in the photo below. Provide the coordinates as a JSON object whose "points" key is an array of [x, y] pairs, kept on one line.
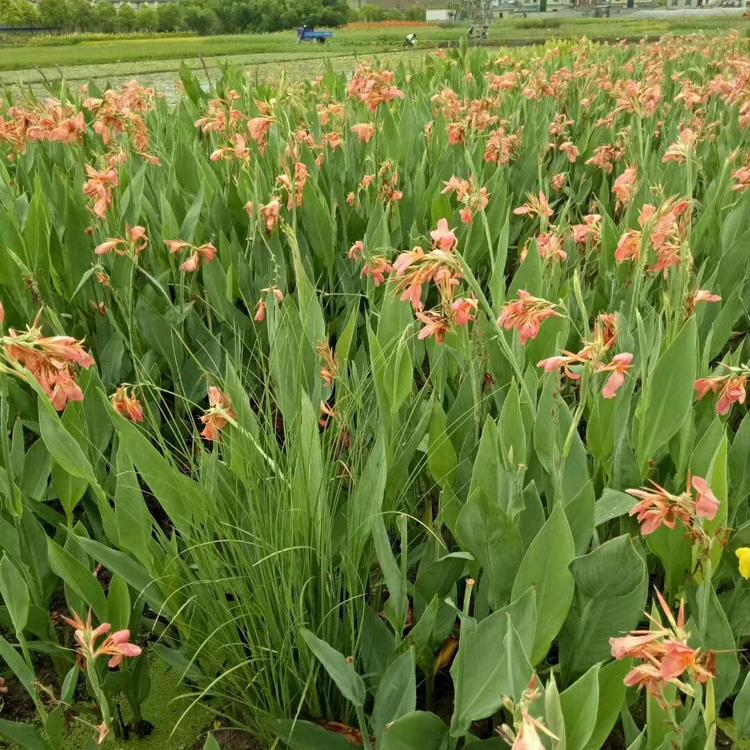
{"points": [[443, 237], [364, 131], [463, 310], [570, 150], [731, 390], [270, 214], [589, 231], [127, 405], [434, 325], [259, 128], [535, 206], [377, 268], [217, 416], [2, 314], [619, 367], [559, 181], [356, 250], [624, 187], [629, 246], [526, 314], [706, 505], [52, 361], [117, 645]]}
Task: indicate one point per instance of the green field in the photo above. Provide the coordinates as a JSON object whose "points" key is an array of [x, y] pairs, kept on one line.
{"points": [[55, 57]]}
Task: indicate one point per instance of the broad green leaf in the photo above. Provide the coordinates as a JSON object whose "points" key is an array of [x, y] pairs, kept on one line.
{"points": [[485, 530], [15, 594], [339, 668], [304, 735], [418, 729], [610, 594], [397, 693], [611, 700], [545, 569], [491, 662], [667, 394], [79, 578], [580, 703]]}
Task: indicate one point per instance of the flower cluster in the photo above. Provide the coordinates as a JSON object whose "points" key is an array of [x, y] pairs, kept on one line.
{"points": [[593, 355], [472, 198], [415, 269], [664, 655], [526, 315], [731, 388], [52, 360], [657, 507], [127, 405], [117, 645], [663, 229], [204, 253], [133, 246], [373, 87], [217, 416]]}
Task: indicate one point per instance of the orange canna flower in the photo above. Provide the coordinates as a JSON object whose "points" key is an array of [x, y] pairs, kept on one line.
{"points": [[463, 310], [218, 416], [356, 250], [51, 361], [270, 214], [624, 187], [619, 367], [364, 131], [443, 237], [127, 405], [526, 315]]}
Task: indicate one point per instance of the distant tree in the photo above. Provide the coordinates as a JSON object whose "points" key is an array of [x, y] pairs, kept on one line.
{"points": [[18, 13], [55, 13], [104, 17], [126, 18], [415, 13], [200, 19], [146, 19], [169, 17], [372, 13], [81, 15]]}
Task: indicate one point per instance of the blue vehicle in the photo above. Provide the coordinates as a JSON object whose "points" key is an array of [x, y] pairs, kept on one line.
{"points": [[307, 34]]}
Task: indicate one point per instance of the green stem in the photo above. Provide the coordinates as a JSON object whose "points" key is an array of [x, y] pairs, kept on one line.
{"points": [[362, 721]]}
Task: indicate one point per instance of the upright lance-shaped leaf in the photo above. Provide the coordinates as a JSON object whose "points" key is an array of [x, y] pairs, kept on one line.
{"points": [[15, 594], [397, 693], [667, 394], [485, 530], [418, 729], [491, 662], [340, 668], [545, 569], [579, 705], [610, 594]]}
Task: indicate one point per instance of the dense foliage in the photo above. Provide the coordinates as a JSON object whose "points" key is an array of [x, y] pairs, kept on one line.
{"points": [[407, 409], [199, 16]]}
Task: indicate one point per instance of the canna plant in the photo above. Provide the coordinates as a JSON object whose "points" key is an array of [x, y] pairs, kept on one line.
{"points": [[397, 410]]}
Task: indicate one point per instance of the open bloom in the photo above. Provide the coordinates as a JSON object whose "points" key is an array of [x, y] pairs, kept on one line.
{"points": [[731, 389], [52, 360], [364, 131], [133, 246], [665, 655], [526, 314], [618, 367], [535, 206], [202, 253], [443, 237], [117, 646], [218, 416], [127, 405], [657, 507], [624, 187]]}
